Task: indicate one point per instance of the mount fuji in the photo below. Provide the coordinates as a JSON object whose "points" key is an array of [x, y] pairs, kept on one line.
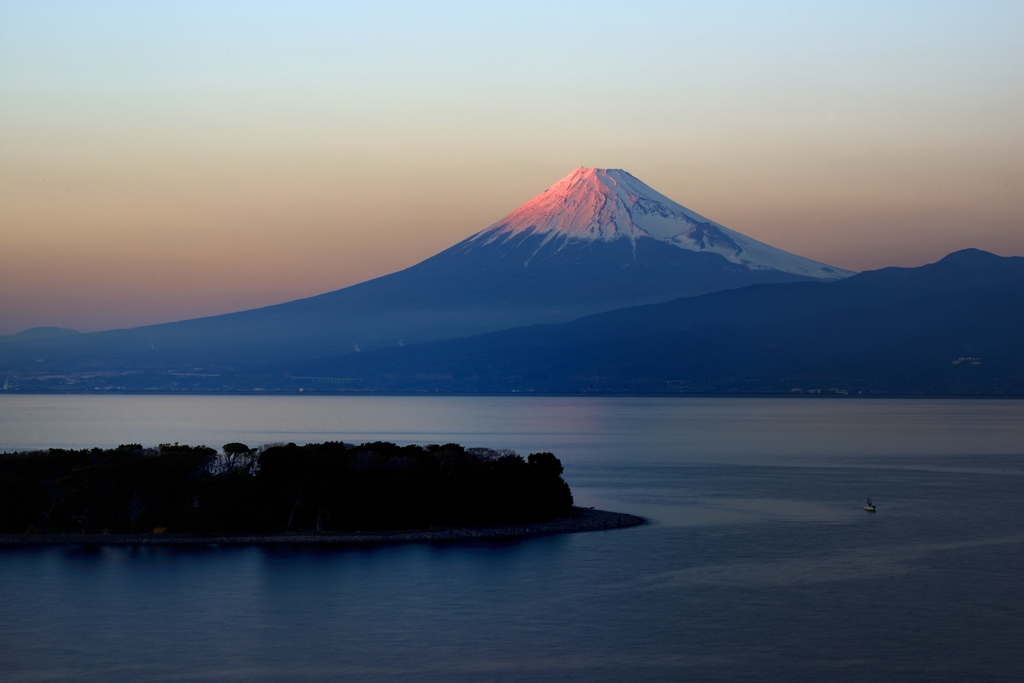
{"points": [[598, 240]]}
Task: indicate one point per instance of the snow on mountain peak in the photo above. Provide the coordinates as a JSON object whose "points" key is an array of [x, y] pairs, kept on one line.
{"points": [[593, 204]]}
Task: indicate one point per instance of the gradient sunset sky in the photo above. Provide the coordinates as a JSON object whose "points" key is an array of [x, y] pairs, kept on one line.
{"points": [[161, 161]]}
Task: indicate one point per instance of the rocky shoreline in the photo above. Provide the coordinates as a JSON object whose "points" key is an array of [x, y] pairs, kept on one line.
{"points": [[578, 520]]}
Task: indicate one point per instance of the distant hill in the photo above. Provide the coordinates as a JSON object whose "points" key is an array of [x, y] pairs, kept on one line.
{"points": [[596, 241], [951, 327]]}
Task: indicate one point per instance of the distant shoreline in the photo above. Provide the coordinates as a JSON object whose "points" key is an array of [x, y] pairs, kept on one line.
{"points": [[525, 394], [578, 520]]}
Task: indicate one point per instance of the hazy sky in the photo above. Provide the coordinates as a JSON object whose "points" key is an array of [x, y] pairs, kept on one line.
{"points": [[161, 161]]}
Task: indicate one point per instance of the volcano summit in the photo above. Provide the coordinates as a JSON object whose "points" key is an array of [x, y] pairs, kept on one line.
{"points": [[607, 205], [599, 239]]}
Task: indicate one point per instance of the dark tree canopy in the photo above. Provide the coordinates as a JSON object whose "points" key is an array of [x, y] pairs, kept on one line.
{"points": [[282, 488]]}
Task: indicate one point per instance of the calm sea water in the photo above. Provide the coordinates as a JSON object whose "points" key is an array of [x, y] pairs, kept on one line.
{"points": [[759, 563]]}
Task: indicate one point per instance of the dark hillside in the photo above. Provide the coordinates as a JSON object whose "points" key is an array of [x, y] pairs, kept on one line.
{"points": [[897, 330]]}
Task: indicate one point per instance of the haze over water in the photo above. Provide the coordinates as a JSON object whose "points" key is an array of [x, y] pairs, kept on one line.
{"points": [[759, 563]]}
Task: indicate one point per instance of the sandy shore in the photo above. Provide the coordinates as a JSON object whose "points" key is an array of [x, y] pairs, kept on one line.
{"points": [[580, 519]]}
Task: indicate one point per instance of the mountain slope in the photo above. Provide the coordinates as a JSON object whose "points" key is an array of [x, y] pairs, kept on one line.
{"points": [[596, 241], [892, 330]]}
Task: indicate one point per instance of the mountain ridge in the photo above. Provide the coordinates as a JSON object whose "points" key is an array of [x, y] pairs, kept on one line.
{"points": [[893, 323], [953, 327]]}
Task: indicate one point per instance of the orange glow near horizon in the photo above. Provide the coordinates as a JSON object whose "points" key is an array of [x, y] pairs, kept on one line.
{"points": [[200, 256]]}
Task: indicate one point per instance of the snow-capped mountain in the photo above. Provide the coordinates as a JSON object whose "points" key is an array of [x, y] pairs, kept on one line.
{"points": [[597, 240], [596, 204]]}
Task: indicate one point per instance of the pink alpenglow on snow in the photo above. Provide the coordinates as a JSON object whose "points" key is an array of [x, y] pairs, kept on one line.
{"points": [[593, 204]]}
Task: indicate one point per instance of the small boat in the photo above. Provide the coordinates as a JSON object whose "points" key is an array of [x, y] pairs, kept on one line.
{"points": [[869, 506]]}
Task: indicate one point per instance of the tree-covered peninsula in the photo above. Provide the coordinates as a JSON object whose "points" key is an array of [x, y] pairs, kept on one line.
{"points": [[276, 489]]}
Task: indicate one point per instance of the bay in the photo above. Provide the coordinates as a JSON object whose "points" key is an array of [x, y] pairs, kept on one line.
{"points": [[758, 563]]}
